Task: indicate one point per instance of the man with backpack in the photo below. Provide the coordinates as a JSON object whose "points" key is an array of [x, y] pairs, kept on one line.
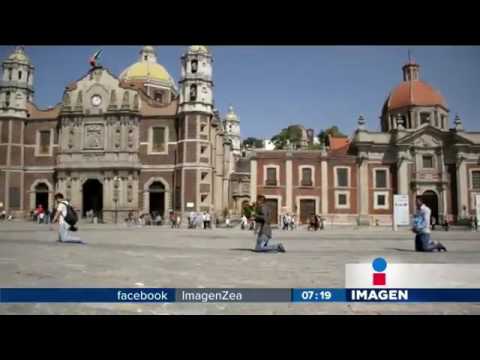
{"points": [[263, 217], [421, 228], [67, 218]]}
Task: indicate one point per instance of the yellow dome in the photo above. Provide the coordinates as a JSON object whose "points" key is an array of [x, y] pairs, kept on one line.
{"points": [[147, 69], [231, 116]]}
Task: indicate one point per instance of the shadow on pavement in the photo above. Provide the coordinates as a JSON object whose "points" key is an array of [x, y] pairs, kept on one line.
{"points": [[243, 249], [404, 250]]}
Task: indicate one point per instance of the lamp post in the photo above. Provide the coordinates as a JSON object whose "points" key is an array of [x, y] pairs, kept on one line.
{"points": [[115, 197]]}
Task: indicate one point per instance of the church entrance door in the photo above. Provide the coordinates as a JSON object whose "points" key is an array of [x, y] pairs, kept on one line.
{"points": [[92, 197]]}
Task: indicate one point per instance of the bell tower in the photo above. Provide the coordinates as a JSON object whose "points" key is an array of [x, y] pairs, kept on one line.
{"points": [[196, 93], [195, 152], [16, 88]]}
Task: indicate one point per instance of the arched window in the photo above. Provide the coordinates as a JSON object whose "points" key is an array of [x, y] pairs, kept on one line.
{"points": [[194, 65], [19, 75], [158, 96], [193, 92], [424, 118]]}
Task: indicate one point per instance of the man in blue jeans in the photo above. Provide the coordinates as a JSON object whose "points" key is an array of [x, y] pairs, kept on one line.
{"points": [[64, 229], [421, 227], [264, 231]]}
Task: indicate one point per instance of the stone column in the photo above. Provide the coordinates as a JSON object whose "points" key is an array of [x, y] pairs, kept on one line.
{"points": [[288, 184], [444, 201], [253, 180], [462, 187], [324, 176], [77, 192], [363, 187], [402, 177]]}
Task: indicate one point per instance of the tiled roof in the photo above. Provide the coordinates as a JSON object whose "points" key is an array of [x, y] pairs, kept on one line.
{"points": [[416, 92]]}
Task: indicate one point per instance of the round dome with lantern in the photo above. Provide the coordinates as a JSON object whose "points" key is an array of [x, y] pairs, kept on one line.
{"points": [[19, 56], [151, 76], [231, 115], [415, 103]]}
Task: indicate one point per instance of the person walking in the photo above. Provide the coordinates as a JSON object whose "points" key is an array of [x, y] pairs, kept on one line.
{"points": [[264, 233], [292, 222], [421, 227], [173, 219], [244, 222], [64, 229], [208, 220], [39, 214], [285, 221]]}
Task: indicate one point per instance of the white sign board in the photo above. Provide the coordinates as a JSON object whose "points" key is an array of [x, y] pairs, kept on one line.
{"points": [[401, 210], [478, 206], [190, 204]]}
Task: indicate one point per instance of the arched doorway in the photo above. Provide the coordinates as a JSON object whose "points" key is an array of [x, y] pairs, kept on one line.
{"points": [[430, 199], [41, 195], [157, 198], [92, 197]]}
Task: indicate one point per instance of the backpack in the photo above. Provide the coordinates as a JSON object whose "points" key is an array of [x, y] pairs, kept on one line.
{"points": [[71, 218]]}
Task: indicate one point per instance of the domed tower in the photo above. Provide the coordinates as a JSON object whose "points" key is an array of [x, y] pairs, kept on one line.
{"points": [[150, 76], [196, 130], [232, 129], [196, 92], [414, 103], [16, 88]]}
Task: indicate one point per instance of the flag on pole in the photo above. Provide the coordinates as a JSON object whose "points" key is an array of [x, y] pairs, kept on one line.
{"points": [[95, 57]]}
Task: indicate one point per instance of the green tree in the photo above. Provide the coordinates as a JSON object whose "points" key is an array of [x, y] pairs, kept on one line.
{"points": [[332, 131], [253, 142], [292, 135], [314, 147]]}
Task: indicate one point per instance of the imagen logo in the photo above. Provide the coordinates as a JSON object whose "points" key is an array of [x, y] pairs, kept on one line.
{"points": [[379, 277]]}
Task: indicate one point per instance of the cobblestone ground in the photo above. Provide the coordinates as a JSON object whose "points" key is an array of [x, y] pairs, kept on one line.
{"points": [[117, 256]]}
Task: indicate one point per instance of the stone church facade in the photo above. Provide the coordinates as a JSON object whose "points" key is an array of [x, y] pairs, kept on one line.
{"points": [[118, 144], [415, 153]]}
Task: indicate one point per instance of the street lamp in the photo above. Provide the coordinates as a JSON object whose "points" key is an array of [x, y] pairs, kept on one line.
{"points": [[115, 196]]}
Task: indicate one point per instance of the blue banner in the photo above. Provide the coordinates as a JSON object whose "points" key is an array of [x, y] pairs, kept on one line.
{"points": [[91, 295], [414, 295], [319, 295], [168, 295]]}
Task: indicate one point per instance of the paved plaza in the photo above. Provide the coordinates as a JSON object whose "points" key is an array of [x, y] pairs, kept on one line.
{"points": [[159, 257]]}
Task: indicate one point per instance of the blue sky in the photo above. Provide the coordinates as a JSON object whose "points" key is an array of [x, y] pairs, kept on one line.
{"points": [[274, 86]]}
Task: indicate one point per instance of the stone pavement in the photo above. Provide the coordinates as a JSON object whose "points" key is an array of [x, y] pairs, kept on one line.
{"points": [[156, 257]]}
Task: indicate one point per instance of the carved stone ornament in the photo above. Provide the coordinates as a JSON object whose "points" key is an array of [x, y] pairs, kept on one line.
{"points": [[131, 138], [94, 136], [427, 141], [71, 138], [118, 135]]}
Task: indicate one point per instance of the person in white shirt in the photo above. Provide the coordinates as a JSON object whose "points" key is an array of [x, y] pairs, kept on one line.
{"points": [[64, 233], [421, 228], [244, 222], [208, 220], [204, 218]]}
